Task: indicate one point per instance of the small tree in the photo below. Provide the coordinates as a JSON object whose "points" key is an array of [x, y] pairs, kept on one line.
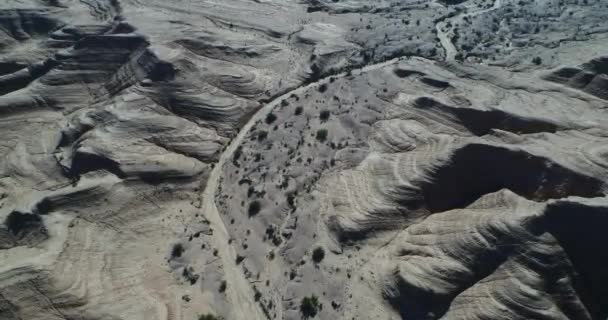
{"points": [[537, 60], [177, 250], [322, 88], [223, 286], [322, 135], [254, 208], [318, 254], [299, 110], [324, 115], [262, 135], [270, 118], [309, 306]]}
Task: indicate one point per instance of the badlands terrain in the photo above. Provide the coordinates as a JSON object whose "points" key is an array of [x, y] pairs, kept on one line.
{"points": [[303, 159]]}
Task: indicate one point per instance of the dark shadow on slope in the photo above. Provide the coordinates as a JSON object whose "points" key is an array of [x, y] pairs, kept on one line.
{"points": [[481, 122], [22, 24], [439, 84], [19, 223], [582, 231], [421, 302], [404, 73], [83, 162], [23, 77], [22, 229], [590, 77], [478, 169], [10, 67]]}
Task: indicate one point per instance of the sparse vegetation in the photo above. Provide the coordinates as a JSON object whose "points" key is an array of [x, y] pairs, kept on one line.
{"points": [[257, 295], [318, 254], [299, 110], [324, 115], [237, 155], [323, 88], [270, 118], [209, 316], [223, 286], [177, 250], [254, 208], [322, 135], [189, 274], [262, 135], [239, 259], [273, 234], [309, 306]]}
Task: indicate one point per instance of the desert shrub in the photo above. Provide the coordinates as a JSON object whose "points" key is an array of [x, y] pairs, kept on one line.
{"points": [[177, 250], [239, 259], [262, 135], [324, 115], [322, 135], [188, 274], [537, 60], [318, 254], [209, 316], [299, 110], [309, 306], [270, 118], [237, 155], [323, 88], [257, 295], [254, 208], [223, 286]]}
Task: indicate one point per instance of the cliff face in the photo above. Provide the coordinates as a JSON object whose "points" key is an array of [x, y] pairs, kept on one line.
{"points": [[311, 159]]}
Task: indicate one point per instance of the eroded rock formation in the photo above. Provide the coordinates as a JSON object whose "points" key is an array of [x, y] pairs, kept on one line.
{"points": [[293, 159]]}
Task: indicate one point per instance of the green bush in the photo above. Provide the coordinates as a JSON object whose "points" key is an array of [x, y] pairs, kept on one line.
{"points": [[177, 250], [322, 135], [299, 110], [254, 208], [309, 306], [270, 118], [318, 254], [322, 88], [262, 135], [324, 115], [257, 296]]}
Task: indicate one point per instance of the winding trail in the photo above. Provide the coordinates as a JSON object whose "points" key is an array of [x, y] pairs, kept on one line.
{"points": [[445, 36], [239, 292], [446, 42]]}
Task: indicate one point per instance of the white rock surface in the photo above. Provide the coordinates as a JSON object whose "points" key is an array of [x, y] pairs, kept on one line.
{"points": [[203, 159]]}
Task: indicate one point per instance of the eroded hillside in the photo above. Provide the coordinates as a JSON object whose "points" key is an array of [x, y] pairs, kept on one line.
{"points": [[303, 159]]}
